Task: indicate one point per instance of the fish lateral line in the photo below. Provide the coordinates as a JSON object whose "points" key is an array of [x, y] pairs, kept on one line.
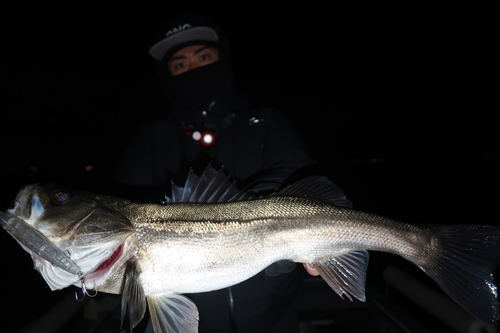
{"points": [[460, 259]]}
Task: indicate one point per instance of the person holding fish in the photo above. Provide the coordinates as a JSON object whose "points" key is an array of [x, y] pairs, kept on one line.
{"points": [[231, 251], [210, 122]]}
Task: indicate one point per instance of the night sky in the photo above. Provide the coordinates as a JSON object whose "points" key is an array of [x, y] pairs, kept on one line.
{"points": [[396, 104]]}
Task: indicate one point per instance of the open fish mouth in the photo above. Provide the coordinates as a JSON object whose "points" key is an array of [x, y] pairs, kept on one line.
{"points": [[54, 264], [36, 243], [58, 278], [62, 253]]}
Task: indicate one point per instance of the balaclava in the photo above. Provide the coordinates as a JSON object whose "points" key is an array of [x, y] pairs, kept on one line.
{"points": [[204, 94]]}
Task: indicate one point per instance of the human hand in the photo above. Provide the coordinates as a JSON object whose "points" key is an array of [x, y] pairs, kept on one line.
{"points": [[311, 270]]}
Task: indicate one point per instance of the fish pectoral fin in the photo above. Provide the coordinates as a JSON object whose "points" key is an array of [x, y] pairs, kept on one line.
{"points": [[346, 274], [132, 295], [173, 313]]}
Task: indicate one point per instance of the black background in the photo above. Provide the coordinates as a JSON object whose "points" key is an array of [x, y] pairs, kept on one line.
{"points": [[396, 104]]}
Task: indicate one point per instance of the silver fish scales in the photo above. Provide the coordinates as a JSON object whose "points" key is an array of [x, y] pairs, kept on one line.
{"points": [[154, 253]]}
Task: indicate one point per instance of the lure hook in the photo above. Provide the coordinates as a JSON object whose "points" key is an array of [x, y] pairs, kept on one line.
{"points": [[85, 291]]}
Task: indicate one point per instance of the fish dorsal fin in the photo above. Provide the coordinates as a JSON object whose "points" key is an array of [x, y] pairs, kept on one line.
{"points": [[211, 187], [173, 313], [182, 194], [346, 274], [317, 187], [133, 295]]}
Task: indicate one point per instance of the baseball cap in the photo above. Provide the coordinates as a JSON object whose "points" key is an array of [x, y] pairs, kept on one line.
{"points": [[185, 31]]}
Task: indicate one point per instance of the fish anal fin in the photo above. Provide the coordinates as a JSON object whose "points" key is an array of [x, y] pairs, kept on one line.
{"points": [[172, 313], [346, 274], [133, 296]]}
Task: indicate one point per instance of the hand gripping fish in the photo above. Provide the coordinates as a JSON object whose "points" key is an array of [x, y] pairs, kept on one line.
{"points": [[209, 236]]}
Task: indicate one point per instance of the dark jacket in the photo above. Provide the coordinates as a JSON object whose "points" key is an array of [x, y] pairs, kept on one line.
{"points": [[261, 150]]}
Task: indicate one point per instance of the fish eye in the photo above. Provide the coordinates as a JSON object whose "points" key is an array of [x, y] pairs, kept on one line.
{"points": [[61, 197]]}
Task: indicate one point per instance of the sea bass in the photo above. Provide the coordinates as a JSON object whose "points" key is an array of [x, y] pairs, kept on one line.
{"points": [[209, 235]]}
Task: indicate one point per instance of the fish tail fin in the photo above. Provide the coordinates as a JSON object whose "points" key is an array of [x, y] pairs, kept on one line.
{"points": [[464, 269]]}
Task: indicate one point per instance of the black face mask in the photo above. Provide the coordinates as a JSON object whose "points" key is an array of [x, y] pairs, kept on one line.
{"points": [[198, 88]]}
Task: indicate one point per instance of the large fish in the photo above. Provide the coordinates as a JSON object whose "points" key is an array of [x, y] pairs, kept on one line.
{"points": [[210, 236]]}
